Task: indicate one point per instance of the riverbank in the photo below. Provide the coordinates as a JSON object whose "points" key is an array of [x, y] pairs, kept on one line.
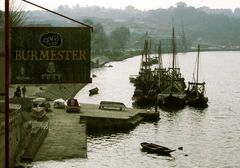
{"points": [[101, 60], [49, 91]]}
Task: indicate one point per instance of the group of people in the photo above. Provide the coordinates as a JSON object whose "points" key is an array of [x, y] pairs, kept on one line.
{"points": [[20, 92]]}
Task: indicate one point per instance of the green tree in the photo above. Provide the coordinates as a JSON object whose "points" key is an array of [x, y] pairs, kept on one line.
{"points": [[99, 39], [119, 37], [88, 22]]}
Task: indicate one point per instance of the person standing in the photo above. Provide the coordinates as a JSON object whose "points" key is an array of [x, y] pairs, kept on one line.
{"points": [[18, 92], [24, 90]]}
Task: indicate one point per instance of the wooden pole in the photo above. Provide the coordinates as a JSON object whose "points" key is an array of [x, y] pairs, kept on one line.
{"points": [[6, 80]]}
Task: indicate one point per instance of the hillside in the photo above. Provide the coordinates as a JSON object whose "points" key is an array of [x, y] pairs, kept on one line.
{"points": [[210, 27], [203, 25]]}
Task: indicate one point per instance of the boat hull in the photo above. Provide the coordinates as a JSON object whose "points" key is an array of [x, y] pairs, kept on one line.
{"points": [[144, 101], [172, 102], [154, 148], [200, 102]]}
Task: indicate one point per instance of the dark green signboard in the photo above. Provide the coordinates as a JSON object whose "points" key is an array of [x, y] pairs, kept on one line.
{"points": [[50, 55]]}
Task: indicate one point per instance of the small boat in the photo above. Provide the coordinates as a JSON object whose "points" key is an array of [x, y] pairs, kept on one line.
{"points": [[93, 91], [151, 147]]}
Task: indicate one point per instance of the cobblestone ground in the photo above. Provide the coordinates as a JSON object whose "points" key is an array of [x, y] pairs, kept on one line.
{"points": [[50, 91], [66, 137]]}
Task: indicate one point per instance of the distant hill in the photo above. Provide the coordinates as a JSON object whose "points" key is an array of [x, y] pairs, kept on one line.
{"points": [[200, 25]]}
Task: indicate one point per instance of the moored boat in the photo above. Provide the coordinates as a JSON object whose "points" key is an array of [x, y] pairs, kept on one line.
{"points": [[150, 82], [173, 97], [145, 83], [196, 90], [155, 148], [195, 95]]}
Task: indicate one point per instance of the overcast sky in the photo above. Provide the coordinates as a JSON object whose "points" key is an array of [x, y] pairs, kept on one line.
{"points": [[139, 4]]}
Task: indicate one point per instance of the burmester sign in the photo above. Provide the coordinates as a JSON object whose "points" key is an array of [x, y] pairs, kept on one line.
{"points": [[50, 55]]}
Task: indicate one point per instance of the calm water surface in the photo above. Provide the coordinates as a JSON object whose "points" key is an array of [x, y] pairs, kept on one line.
{"points": [[210, 138]]}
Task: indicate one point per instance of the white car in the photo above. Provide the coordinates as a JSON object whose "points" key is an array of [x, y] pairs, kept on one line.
{"points": [[41, 102], [59, 103]]}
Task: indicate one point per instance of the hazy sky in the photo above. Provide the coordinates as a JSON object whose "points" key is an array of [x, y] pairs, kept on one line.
{"points": [[139, 4]]}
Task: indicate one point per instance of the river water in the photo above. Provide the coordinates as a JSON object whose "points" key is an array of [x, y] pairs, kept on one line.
{"points": [[210, 138]]}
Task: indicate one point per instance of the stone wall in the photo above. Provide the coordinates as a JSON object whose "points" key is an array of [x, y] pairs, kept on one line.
{"points": [[15, 136], [2, 136], [26, 103]]}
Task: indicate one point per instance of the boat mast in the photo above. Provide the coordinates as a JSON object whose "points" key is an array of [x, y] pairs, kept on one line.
{"points": [[196, 83], [159, 63], [198, 61], [173, 60], [173, 49], [146, 58]]}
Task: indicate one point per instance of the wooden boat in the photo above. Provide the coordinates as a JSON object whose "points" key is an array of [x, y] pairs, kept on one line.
{"points": [[155, 148], [93, 91], [195, 95], [149, 82], [173, 97], [196, 90], [171, 102]]}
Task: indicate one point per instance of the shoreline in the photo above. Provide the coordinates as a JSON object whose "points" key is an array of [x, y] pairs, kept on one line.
{"points": [[106, 59], [48, 91]]}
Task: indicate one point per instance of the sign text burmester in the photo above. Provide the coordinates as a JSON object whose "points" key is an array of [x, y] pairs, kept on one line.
{"points": [[50, 55]]}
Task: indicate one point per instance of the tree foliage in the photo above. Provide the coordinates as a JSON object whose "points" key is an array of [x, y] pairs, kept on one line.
{"points": [[17, 15], [99, 39], [120, 37]]}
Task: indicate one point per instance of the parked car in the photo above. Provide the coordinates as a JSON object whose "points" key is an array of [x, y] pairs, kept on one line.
{"points": [[72, 105], [41, 102], [59, 103]]}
